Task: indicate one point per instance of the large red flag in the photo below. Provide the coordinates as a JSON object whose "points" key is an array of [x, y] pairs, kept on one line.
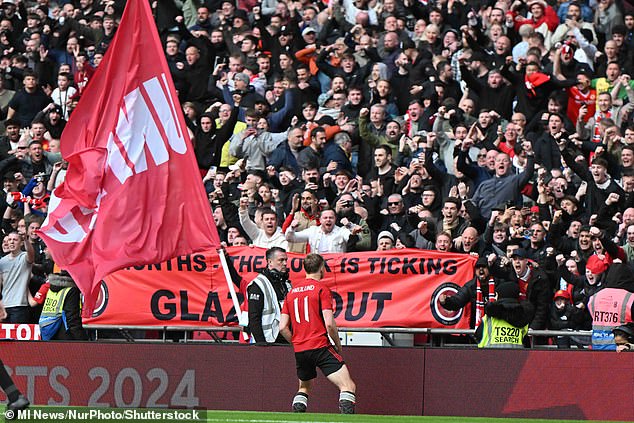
{"points": [[132, 193]]}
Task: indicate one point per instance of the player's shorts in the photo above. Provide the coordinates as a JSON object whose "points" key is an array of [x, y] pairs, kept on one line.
{"points": [[325, 358]]}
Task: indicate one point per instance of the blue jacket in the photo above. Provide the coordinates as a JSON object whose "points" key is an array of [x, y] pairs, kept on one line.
{"points": [[283, 156], [332, 152]]}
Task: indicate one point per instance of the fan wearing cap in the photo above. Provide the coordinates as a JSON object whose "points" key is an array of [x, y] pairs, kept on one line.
{"points": [[385, 241], [566, 316], [624, 337], [52, 118], [533, 285], [593, 281], [478, 292], [506, 319], [612, 306]]}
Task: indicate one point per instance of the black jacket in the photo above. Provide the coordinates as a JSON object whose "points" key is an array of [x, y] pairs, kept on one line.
{"points": [[538, 293]]}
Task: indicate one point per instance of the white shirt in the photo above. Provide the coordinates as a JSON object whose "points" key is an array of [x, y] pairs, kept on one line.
{"points": [[333, 242], [61, 97]]}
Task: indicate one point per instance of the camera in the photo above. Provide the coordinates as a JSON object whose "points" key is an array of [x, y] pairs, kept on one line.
{"points": [[348, 203], [528, 233], [312, 179]]}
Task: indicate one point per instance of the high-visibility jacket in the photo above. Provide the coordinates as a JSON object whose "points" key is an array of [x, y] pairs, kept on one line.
{"points": [[272, 311], [53, 314], [609, 308], [498, 333]]}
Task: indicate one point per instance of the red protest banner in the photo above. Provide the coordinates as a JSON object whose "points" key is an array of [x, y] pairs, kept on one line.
{"points": [[370, 289]]}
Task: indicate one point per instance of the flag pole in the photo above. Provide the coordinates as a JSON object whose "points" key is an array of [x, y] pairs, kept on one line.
{"points": [[232, 291]]}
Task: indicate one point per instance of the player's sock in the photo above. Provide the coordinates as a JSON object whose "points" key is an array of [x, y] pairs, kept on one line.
{"points": [[347, 401], [300, 402], [7, 384]]}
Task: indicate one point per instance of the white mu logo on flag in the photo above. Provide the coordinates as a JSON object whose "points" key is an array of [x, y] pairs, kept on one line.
{"points": [[147, 122], [149, 115]]}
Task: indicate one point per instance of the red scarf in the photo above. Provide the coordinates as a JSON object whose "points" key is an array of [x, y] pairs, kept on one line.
{"points": [[480, 299], [533, 81], [598, 117], [523, 284]]}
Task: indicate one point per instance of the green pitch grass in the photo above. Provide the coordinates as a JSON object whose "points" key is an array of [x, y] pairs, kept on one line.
{"points": [[61, 415]]}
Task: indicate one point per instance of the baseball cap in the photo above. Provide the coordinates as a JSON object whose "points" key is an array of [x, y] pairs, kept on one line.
{"points": [[520, 252], [482, 262], [308, 30], [285, 30], [596, 265], [385, 234]]}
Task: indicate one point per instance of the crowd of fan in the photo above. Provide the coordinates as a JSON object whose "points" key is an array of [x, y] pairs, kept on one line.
{"points": [[495, 128]]}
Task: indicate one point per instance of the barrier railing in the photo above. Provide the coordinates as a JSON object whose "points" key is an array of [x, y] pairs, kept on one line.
{"points": [[437, 336]]}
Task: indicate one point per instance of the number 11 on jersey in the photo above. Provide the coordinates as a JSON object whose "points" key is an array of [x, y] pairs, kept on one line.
{"points": [[296, 307]]}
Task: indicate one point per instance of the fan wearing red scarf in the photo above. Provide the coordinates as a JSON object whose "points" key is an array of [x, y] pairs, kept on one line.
{"points": [[533, 87]]}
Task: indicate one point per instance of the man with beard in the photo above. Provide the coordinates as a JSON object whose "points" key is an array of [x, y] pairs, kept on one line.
{"points": [[307, 84], [494, 95], [391, 51], [383, 169], [447, 81], [327, 237], [348, 217], [306, 212], [266, 294], [478, 291]]}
